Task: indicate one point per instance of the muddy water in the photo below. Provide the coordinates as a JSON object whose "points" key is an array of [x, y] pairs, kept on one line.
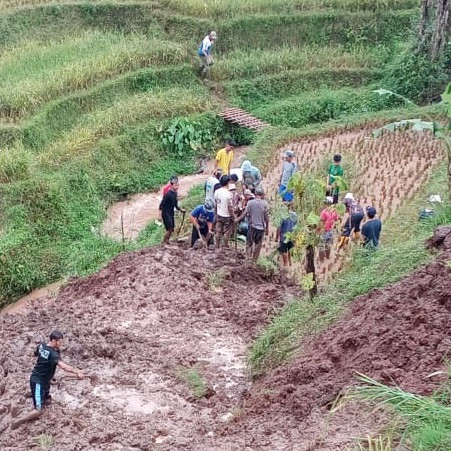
{"points": [[126, 219]]}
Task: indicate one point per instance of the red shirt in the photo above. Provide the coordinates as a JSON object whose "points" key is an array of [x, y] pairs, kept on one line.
{"points": [[166, 189], [328, 217]]}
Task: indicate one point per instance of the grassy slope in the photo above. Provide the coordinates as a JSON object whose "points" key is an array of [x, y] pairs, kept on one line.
{"points": [[100, 78]]}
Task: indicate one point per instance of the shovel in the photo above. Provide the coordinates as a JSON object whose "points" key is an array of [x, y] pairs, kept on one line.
{"points": [[180, 226], [93, 378]]}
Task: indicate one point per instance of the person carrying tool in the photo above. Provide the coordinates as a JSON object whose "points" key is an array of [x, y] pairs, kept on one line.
{"points": [[335, 170], [257, 212], [251, 175], [353, 221], [48, 359], [289, 168], [166, 211], [202, 218], [224, 157], [285, 243], [223, 212], [328, 218], [204, 53], [371, 230]]}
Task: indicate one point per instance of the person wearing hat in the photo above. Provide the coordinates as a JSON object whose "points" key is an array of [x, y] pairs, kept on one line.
{"points": [[251, 175], [48, 360], [289, 168], [257, 213], [371, 230], [204, 53], [202, 218], [224, 157], [335, 170]]}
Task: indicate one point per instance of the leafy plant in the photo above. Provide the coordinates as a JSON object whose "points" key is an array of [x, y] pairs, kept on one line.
{"points": [[195, 382], [184, 137]]}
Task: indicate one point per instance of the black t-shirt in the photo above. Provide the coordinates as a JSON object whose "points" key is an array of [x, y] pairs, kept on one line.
{"points": [[48, 359], [169, 202]]}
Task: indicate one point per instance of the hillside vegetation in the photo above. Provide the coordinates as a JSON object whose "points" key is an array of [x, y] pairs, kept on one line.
{"points": [[85, 87]]}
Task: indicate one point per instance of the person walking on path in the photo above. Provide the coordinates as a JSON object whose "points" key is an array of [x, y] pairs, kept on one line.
{"points": [[328, 218], [223, 212], [257, 212], [289, 168], [166, 211], [224, 157], [372, 228], [251, 175], [48, 359], [202, 218], [335, 170], [285, 244], [204, 53]]}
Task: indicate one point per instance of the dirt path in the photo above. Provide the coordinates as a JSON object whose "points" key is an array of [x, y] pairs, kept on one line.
{"points": [[134, 214]]}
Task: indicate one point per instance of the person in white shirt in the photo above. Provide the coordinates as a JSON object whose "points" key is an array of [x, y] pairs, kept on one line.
{"points": [[204, 53], [210, 185], [223, 212]]}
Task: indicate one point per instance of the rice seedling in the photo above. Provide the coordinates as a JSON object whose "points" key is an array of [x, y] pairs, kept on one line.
{"points": [[35, 73]]}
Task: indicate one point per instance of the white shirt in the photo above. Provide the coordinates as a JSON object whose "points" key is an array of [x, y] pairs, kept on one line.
{"points": [[223, 198], [206, 45], [210, 188]]}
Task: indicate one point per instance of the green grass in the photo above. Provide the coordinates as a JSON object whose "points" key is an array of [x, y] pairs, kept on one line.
{"points": [[402, 253], [35, 73], [194, 381]]}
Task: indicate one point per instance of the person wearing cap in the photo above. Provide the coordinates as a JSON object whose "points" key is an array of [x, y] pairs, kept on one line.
{"points": [[257, 213], [335, 170], [371, 230], [224, 157], [223, 213], [202, 218], [204, 53], [282, 237], [289, 168], [166, 211], [251, 175], [210, 185], [328, 217], [48, 359]]}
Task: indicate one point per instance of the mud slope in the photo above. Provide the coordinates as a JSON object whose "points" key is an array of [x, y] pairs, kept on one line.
{"points": [[399, 334], [139, 325]]}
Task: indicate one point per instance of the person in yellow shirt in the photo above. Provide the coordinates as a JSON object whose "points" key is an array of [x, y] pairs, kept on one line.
{"points": [[224, 157]]}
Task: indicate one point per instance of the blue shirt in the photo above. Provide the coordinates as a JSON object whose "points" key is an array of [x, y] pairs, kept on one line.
{"points": [[371, 230], [287, 225], [202, 216]]}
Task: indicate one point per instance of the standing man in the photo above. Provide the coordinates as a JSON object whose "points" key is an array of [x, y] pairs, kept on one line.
{"points": [[289, 168], [48, 359], [285, 244], [204, 53], [371, 230], [328, 218], [202, 218], [335, 170], [224, 157], [223, 212], [210, 184], [166, 210], [257, 212]]}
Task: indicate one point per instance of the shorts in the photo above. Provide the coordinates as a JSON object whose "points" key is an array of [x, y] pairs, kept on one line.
{"points": [[285, 247], [334, 196], [354, 223], [287, 196], [327, 238], [254, 236], [40, 393], [168, 221]]}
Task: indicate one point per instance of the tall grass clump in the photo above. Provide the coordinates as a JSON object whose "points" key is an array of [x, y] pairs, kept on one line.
{"points": [[35, 73], [15, 163]]}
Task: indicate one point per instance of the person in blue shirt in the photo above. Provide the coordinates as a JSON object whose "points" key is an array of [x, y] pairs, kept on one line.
{"points": [[285, 245], [202, 218], [371, 230], [204, 53]]}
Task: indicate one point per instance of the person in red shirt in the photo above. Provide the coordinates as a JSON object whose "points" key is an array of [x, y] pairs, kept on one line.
{"points": [[172, 181], [328, 218]]}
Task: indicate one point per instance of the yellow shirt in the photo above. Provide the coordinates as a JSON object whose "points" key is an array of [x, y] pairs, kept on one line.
{"points": [[224, 159]]}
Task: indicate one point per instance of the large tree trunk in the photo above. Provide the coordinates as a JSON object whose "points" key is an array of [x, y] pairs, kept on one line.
{"points": [[434, 27]]}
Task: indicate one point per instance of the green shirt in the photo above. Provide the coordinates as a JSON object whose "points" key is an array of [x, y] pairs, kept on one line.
{"points": [[335, 170]]}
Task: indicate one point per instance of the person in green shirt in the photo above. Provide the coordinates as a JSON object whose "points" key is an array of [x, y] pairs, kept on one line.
{"points": [[335, 170]]}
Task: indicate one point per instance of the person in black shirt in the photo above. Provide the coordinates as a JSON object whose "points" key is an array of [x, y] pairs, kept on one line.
{"points": [[48, 359], [371, 230], [166, 208]]}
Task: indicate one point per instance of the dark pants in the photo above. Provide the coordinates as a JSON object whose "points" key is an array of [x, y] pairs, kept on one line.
{"points": [[195, 234], [39, 392]]}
